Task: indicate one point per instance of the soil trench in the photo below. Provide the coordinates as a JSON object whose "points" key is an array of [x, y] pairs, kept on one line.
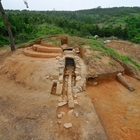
{"points": [[72, 111], [69, 73]]}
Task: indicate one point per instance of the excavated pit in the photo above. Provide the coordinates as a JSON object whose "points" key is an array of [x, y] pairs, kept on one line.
{"points": [[69, 71], [69, 62]]}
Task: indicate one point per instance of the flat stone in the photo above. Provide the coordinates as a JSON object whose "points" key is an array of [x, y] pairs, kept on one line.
{"points": [[61, 66], [76, 102], [95, 83], [75, 95], [47, 76], [76, 72], [63, 113], [119, 74], [78, 78], [59, 116], [68, 125], [80, 88], [61, 70], [62, 104], [70, 112], [61, 78], [58, 57], [70, 104], [59, 89], [76, 114], [77, 66]]}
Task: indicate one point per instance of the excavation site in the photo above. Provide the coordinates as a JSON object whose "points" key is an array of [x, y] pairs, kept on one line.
{"points": [[56, 89]]}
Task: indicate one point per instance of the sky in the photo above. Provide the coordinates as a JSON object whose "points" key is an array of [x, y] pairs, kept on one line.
{"points": [[66, 5]]}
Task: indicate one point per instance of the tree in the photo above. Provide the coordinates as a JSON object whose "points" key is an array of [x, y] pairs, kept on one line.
{"points": [[6, 22], [25, 2]]}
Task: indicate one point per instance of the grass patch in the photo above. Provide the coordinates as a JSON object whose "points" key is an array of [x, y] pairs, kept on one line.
{"points": [[99, 46], [77, 41], [52, 40]]}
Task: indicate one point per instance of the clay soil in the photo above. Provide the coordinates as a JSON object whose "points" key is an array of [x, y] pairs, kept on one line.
{"points": [[118, 109], [28, 110]]}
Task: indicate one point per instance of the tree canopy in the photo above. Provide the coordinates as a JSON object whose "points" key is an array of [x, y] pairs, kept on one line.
{"points": [[121, 22]]}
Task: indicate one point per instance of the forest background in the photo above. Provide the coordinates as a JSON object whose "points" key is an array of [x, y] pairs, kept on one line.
{"points": [[119, 22]]}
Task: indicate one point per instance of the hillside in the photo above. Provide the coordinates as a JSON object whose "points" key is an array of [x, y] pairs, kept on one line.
{"points": [[121, 22]]}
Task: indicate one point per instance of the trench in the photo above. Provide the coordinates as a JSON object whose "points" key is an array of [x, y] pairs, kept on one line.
{"points": [[69, 75], [69, 78]]}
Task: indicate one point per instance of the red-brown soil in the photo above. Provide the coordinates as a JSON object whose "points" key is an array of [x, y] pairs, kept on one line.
{"points": [[29, 111], [118, 109]]}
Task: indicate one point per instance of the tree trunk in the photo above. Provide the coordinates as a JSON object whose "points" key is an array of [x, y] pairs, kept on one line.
{"points": [[6, 22]]}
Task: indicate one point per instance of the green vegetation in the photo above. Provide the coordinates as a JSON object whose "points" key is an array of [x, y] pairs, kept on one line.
{"points": [[96, 45], [52, 41], [122, 22]]}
